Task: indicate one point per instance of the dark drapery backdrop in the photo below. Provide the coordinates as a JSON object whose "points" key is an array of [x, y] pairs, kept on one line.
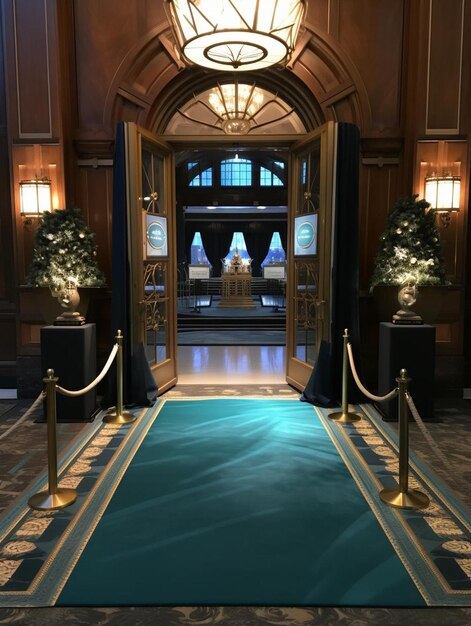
{"points": [[190, 229], [324, 387], [217, 238], [181, 238], [139, 387], [258, 242], [216, 243], [283, 230]]}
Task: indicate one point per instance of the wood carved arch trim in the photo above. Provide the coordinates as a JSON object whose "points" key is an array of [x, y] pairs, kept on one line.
{"points": [[321, 83], [192, 81]]}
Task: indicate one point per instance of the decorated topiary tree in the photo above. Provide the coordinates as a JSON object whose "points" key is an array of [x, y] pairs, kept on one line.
{"points": [[410, 246], [65, 252]]}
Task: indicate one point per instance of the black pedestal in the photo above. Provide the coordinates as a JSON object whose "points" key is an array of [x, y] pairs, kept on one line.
{"points": [[71, 352], [412, 348]]}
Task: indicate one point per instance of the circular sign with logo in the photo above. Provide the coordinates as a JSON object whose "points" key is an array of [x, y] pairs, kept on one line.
{"points": [[156, 236], [305, 235]]}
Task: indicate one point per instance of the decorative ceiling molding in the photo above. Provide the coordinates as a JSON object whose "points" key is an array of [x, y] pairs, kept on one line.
{"points": [[302, 42], [191, 82], [254, 111], [172, 51], [322, 84]]}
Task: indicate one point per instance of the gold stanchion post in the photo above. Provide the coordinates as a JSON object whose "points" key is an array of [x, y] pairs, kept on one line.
{"points": [[345, 415], [55, 497], [120, 416], [402, 497]]}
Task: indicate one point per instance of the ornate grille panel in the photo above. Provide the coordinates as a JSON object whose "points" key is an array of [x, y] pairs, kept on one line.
{"points": [[309, 183], [306, 293], [152, 182], [306, 302], [156, 303]]}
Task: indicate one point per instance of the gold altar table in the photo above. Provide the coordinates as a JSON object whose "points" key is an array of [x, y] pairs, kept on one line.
{"points": [[236, 291]]}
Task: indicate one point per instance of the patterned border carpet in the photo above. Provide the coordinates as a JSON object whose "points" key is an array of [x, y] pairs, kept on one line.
{"points": [[38, 549]]}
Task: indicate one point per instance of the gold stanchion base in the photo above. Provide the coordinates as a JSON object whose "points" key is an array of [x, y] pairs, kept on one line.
{"points": [[345, 418], [45, 501], [124, 418], [412, 499]]}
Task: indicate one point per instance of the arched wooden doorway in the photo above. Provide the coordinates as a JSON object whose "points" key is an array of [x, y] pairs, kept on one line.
{"points": [[331, 93]]}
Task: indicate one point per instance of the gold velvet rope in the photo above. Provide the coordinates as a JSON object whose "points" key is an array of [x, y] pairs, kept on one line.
{"points": [[363, 389], [104, 371], [31, 409], [426, 433], [413, 409]]}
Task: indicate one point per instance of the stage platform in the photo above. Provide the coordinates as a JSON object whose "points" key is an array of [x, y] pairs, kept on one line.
{"points": [[204, 323], [205, 310]]}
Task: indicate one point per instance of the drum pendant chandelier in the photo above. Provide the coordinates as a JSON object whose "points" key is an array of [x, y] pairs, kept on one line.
{"points": [[236, 105], [237, 35]]}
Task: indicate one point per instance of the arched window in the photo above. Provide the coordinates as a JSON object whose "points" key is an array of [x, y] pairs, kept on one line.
{"points": [[269, 178], [276, 254], [304, 172], [238, 242], [236, 173], [201, 178], [198, 255]]}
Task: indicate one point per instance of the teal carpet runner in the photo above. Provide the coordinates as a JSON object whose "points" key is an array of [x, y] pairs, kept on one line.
{"points": [[238, 502]]}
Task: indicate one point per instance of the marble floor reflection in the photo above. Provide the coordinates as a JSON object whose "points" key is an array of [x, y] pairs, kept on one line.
{"points": [[231, 364]]}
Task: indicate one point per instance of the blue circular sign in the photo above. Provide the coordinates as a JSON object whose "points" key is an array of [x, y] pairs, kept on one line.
{"points": [[305, 235], [156, 236]]}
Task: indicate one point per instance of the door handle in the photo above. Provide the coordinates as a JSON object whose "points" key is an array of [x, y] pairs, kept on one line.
{"points": [[320, 309]]}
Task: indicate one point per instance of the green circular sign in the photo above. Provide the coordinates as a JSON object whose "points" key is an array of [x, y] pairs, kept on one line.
{"points": [[305, 235], [156, 236]]}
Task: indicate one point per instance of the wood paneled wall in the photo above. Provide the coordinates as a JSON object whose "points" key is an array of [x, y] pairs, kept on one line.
{"points": [[7, 249], [95, 188], [399, 69], [444, 71], [30, 161], [34, 132], [31, 53]]}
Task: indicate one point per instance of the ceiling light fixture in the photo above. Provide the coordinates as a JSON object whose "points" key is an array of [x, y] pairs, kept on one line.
{"points": [[239, 108], [236, 105], [240, 35]]}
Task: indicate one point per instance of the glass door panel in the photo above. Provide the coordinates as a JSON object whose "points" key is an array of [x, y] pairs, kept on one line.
{"points": [[309, 251], [151, 192], [155, 296]]}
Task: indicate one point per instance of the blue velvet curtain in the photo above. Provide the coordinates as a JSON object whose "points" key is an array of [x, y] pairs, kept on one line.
{"points": [[324, 387], [190, 229], [217, 243], [139, 387], [257, 240]]}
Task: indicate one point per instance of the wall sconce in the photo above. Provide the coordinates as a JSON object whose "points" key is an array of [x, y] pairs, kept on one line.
{"points": [[35, 197], [443, 195]]}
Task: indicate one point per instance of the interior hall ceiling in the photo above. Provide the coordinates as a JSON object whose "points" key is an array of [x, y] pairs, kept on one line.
{"points": [[194, 118]]}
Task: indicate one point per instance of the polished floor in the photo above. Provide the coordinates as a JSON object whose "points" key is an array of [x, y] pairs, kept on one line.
{"points": [[235, 365]]}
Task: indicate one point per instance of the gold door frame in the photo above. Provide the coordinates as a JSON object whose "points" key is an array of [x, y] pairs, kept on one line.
{"points": [[165, 372], [297, 370]]}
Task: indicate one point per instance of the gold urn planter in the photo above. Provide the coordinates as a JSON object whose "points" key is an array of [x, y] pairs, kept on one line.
{"points": [[435, 303], [48, 306]]}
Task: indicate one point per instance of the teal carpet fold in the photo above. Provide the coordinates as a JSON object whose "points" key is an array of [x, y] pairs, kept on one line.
{"points": [[238, 501]]}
